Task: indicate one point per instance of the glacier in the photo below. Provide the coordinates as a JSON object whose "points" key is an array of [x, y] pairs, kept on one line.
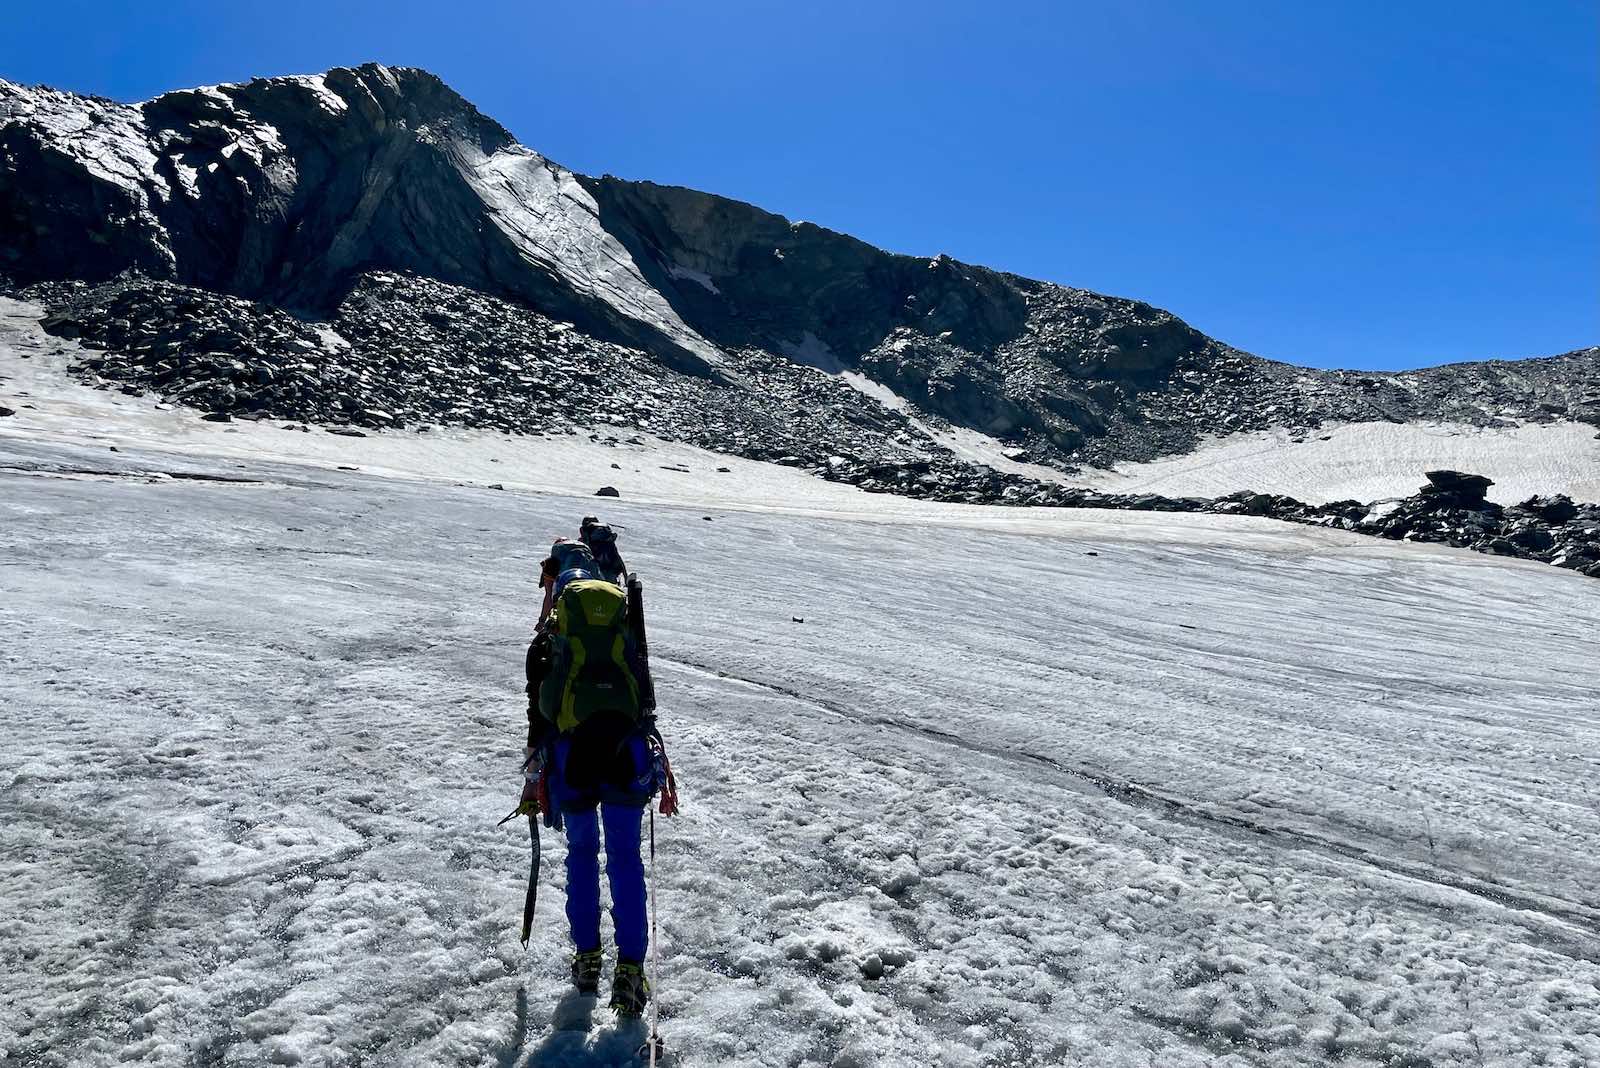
{"points": [[962, 785]]}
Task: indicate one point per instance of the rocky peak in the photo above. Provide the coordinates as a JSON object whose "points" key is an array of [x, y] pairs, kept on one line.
{"points": [[284, 189]]}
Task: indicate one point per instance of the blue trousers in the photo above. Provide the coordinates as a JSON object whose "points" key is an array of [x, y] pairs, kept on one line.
{"points": [[624, 870]]}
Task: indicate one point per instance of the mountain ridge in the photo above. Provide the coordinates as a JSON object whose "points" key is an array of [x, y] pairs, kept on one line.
{"points": [[335, 173], [290, 190]]}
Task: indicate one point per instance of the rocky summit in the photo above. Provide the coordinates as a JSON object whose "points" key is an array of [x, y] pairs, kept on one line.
{"points": [[364, 250]]}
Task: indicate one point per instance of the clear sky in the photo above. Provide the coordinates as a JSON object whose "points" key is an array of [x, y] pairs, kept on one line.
{"points": [[1338, 183]]}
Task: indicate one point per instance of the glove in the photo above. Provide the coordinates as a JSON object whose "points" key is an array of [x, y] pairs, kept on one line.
{"points": [[661, 772], [534, 797], [531, 799]]}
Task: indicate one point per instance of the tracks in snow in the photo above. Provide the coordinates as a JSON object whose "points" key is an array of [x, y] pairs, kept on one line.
{"points": [[126, 474], [1571, 928]]}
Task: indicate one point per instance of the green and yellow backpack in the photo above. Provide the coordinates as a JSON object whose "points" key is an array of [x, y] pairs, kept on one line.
{"points": [[595, 664]]}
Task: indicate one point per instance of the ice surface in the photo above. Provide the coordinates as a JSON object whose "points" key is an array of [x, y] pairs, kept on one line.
{"points": [[1026, 787]]}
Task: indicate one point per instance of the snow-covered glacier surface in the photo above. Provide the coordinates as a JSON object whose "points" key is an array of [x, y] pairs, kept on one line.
{"points": [[1371, 461], [962, 786]]}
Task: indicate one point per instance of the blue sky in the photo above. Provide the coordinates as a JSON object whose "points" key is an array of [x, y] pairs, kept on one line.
{"points": [[1340, 183]]}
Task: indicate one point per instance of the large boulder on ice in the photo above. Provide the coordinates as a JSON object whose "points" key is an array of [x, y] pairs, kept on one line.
{"points": [[1459, 487]]}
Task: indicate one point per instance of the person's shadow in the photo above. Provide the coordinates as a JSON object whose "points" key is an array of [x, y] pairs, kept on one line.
{"points": [[572, 1041]]}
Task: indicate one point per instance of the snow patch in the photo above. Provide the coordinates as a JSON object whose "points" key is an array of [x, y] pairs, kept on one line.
{"points": [[971, 445], [326, 99], [1370, 461], [813, 352], [688, 274], [188, 177], [331, 339]]}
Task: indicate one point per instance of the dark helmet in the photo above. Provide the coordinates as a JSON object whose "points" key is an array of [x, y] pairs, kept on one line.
{"points": [[592, 532]]}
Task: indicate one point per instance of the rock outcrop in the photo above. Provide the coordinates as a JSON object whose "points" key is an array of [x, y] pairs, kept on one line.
{"points": [[282, 189]]}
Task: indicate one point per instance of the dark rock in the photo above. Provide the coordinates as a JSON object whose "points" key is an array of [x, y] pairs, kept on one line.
{"points": [[1532, 536], [1456, 484], [1448, 481], [1249, 502], [607, 491], [5, 412], [1554, 509], [346, 431], [217, 417], [60, 326]]}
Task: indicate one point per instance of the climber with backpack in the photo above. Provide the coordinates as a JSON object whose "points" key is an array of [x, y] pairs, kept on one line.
{"points": [[595, 758], [602, 543]]}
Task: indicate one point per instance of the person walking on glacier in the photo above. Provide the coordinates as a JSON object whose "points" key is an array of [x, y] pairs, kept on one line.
{"points": [[595, 758]]}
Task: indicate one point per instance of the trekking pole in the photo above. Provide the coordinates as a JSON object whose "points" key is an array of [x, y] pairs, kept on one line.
{"points": [[655, 958]]}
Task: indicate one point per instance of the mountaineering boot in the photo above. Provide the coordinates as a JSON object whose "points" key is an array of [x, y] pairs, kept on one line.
{"points": [[586, 971], [630, 990]]}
